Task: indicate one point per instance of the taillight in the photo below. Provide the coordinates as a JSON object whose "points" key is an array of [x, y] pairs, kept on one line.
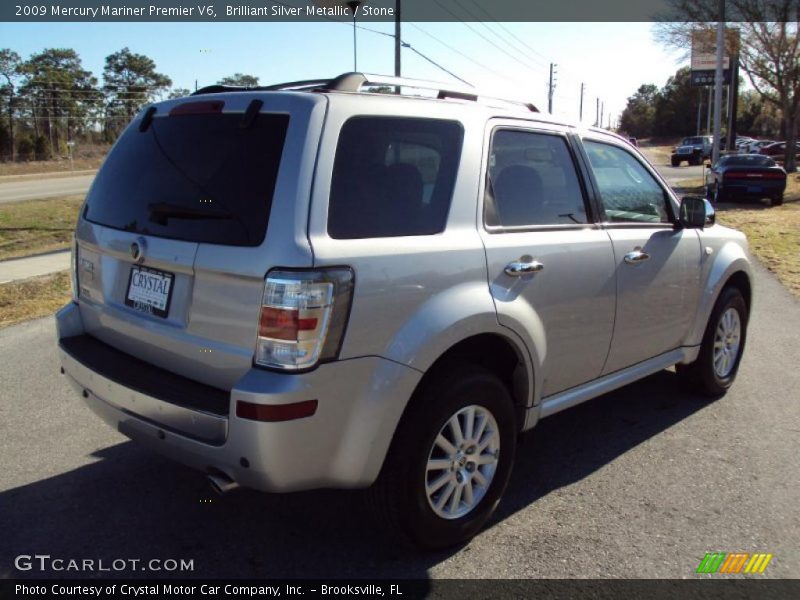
{"points": [[303, 317], [735, 175], [754, 175], [74, 261]]}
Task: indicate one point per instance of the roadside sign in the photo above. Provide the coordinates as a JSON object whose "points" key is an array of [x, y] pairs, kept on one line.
{"points": [[704, 56], [707, 77]]}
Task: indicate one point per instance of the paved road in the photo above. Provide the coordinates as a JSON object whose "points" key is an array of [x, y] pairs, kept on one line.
{"points": [[43, 264], [639, 483], [674, 175], [28, 189]]}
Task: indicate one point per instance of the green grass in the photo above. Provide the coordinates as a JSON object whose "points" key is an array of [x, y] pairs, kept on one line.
{"points": [[35, 226]]}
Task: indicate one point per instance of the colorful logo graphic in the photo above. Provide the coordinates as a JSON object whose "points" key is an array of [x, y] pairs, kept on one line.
{"points": [[734, 562]]}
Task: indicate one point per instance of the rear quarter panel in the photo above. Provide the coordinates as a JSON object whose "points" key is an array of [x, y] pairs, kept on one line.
{"points": [[414, 296]]}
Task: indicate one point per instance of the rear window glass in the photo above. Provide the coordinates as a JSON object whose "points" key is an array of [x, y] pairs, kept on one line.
{"points": [[393, 177], [748, 160], [532, 181], [194, 177]]}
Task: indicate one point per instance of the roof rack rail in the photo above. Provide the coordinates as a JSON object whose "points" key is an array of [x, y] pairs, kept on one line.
{"points": [[354, 82], [309, 84]]}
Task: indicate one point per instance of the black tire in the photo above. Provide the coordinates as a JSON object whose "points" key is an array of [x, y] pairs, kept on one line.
{"points": [[777, 199], [399, 496], [675, 162], [719, 195], [701, 374]]}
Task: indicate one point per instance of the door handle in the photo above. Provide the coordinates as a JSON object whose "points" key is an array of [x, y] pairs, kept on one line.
{"points": [[636, 257], [518, 269]]}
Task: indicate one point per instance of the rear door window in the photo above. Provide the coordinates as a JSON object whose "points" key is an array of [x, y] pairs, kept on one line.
{"points": [[393, 177], [532, 181], [195, 177]]}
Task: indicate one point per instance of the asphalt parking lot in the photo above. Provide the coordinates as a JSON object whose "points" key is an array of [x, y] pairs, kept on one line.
{"points": [[641, 482]]}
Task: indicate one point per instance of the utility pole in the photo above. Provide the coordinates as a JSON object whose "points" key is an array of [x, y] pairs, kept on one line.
{"points": [[580, 110], [699, 108], [733, 97], [602, 107], [708, 109], [397, 39], [551, 88], [597, 113], [354, 4], [718, 83]]}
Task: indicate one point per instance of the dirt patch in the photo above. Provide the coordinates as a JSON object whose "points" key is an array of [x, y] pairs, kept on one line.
{"points": [[773, 233], [35, 226], [33, 298], [658, 155], [86, 158]]}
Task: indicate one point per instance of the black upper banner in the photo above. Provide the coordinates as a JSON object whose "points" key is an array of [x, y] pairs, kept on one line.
{"points": [[387, 10]]}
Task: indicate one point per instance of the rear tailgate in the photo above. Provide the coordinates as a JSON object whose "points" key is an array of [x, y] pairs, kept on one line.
{"points": [[184, 220], [755, 176]]}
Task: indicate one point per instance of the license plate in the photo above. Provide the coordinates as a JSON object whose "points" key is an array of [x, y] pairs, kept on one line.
{"points": [[149, 291]]}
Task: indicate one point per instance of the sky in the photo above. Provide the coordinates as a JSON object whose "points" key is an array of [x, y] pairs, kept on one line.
{"points": [[611, 59]]}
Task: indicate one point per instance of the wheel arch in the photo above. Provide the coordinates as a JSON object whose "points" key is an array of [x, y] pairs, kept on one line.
{"points": [[496, 353], [731, 267], [741, 280]]}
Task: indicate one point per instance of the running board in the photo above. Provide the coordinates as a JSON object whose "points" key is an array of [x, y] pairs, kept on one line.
{"points": [[574, 396]]}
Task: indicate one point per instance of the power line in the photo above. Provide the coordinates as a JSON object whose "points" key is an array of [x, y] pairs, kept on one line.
{"points": [[456, 50], [507, 30], [434, 63], [502, 38], [383, 33], [478, 33]]}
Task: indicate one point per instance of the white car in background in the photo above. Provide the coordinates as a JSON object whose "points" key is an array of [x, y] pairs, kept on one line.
{"points": [[754, 146]]}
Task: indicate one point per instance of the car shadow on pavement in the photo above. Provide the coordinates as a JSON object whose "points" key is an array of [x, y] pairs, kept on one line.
{"points": [[573, 444], [132, 504]]}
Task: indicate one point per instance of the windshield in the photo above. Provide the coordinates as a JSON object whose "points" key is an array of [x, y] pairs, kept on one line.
{"points": [[691, 141], [194, 177]]}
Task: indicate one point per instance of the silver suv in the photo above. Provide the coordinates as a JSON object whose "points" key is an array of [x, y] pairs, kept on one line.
{"points": [[316, 286]]}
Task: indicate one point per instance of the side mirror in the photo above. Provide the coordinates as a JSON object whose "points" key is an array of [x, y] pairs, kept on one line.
{"points": [[696, 213]]}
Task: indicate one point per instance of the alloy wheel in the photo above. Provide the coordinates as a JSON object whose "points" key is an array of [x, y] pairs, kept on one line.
{"points": [[462, 462], [727, 341]]}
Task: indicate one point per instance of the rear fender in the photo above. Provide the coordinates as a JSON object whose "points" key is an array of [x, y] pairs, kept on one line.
{"points": [[450, 317]]}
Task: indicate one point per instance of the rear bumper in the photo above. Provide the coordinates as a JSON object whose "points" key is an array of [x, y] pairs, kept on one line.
{"points": [[343, 444], [754, 188]]}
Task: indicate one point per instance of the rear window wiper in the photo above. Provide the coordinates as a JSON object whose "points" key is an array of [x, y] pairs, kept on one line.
{"points": [[161, 211]]}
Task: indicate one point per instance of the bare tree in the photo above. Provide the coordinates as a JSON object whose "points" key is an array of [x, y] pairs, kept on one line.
{"points": [[769, 51], [9, 69]]}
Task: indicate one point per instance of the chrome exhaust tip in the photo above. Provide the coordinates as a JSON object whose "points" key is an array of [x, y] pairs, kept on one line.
{"points": [[222, 484]]}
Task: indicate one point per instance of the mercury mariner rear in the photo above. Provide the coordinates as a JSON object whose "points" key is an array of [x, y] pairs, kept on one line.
{"points": [[198, 324]]}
